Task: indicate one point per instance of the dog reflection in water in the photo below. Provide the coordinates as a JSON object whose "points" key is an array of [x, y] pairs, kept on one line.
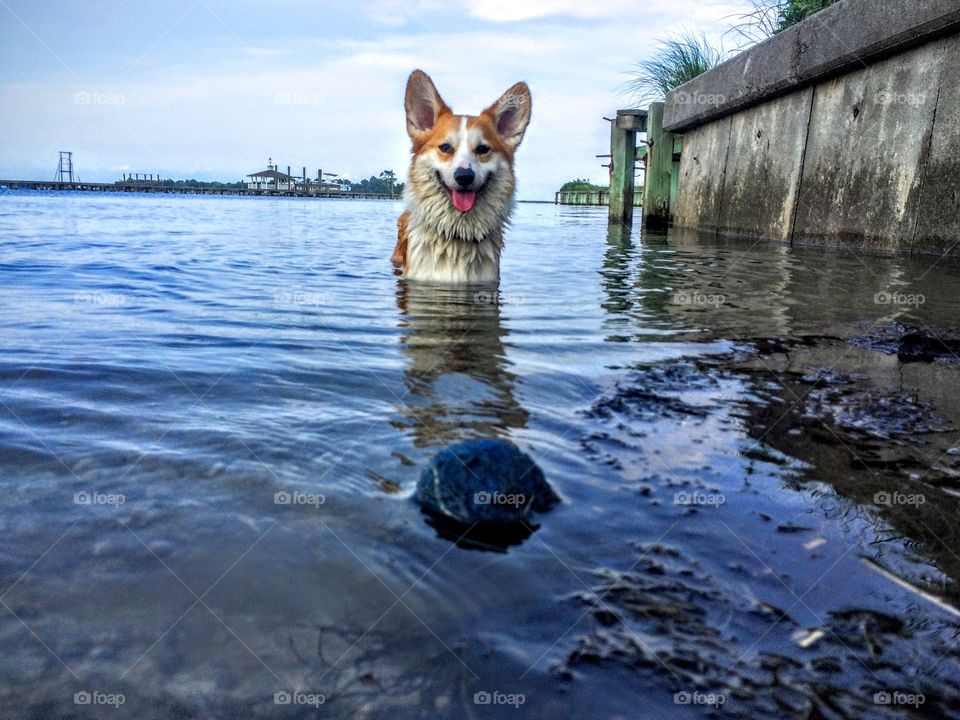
{"points": [[458, 379]]}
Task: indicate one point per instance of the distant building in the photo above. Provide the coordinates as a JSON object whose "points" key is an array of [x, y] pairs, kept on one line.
{"points": [[271, 179]]}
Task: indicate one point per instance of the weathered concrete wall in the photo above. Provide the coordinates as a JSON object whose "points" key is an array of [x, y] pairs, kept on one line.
{"points": [[766, 151], [939, 212], [702, 167], [867, 145], [867, 156]]}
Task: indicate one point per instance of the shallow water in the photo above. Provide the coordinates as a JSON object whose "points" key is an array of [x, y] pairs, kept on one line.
{"points": [[721, 418]]}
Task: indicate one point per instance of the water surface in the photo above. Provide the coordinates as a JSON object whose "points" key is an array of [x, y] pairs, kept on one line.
{"points": [[213, 412]]}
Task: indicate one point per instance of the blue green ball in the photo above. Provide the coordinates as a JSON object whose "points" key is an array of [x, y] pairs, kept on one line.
{"points": [[484, 481]]}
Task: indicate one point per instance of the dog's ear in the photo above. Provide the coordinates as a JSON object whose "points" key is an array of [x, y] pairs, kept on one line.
{"points": [[511, 113], [423, 102]]}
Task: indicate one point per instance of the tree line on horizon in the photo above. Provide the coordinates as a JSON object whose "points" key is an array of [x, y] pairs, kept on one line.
{"points": [[385, 184], [581, 185], [379, 185]]}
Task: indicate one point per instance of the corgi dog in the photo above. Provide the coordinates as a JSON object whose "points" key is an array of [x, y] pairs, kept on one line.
{"points": [[459, 193]]}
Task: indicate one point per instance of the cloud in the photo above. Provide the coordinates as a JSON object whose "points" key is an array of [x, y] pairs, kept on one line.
{"points": [[397, 13], [265, 53], [629, 12], [337, 102], [515, 10]]}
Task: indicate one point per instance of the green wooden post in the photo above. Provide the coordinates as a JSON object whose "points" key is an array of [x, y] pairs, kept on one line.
{"points": [[622, 144], [623, 147], [656, 185]]}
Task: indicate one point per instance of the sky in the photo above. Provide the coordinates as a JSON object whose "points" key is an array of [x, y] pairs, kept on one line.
{"points": [[210, 89]]}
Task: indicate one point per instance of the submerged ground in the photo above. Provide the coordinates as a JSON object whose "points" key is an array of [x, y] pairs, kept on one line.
{"points": [[213, 412]]}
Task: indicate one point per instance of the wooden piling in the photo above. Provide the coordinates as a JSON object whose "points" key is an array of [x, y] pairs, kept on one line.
{"points": [[623, 148], [656, 185]]}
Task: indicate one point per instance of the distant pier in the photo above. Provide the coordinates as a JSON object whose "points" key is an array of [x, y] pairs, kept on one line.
{"points": [[157, 186], [591, 197]]}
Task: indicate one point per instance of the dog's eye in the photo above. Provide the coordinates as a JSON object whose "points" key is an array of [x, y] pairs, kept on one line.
{"points": [[446, 148], [482, 149]]}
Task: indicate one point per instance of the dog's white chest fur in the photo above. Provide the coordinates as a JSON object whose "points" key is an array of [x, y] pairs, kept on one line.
{"points": [[433, 257]]}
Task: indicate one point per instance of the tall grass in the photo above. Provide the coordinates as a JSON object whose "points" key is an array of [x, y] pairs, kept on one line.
{"points": [[758, 24], [677, 60], [768, 17]]}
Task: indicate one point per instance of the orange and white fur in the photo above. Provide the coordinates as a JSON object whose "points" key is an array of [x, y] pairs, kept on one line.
{"points": [[459, 193]]}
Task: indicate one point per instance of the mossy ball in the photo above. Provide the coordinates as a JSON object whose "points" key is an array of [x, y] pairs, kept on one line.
{"points": [[484, 481]]}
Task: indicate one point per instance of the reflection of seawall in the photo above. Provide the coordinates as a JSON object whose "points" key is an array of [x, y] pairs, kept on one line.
{"points": [[694, 282], [457, 376], [840, 131], [683, 286]]}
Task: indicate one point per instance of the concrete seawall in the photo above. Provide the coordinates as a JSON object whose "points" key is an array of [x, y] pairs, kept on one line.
{"points": [[842, 131]]}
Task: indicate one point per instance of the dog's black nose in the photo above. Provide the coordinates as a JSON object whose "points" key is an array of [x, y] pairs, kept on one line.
{"points": [[463, 176]]}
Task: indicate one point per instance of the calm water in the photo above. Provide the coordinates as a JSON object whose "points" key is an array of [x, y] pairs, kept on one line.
{"points": [[719, 418]]}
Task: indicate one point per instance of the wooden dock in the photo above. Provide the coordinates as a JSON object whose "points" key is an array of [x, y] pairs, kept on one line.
{"points": [[153, 186], [591, 197]]}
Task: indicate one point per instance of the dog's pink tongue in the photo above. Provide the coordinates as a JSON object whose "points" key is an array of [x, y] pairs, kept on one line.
{"points": [[463, 201]]}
